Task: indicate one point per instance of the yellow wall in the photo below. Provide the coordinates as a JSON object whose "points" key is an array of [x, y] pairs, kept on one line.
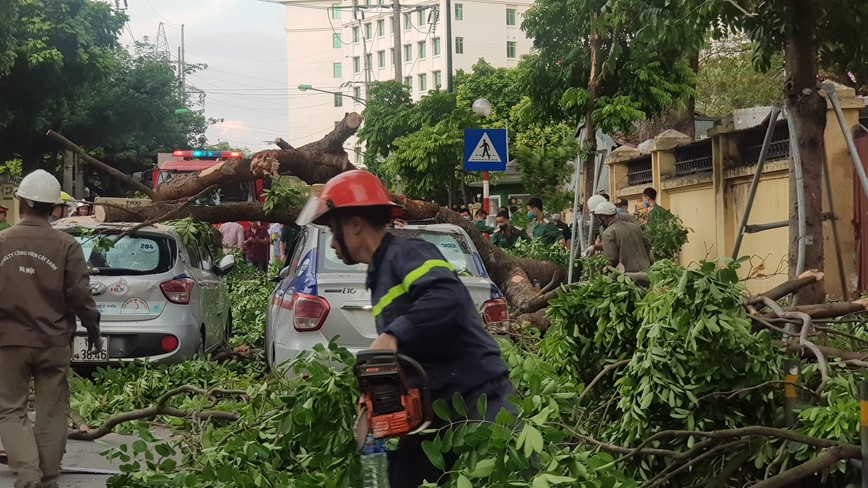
{"points": [[712, 205], [767, 249], [695, 206]]}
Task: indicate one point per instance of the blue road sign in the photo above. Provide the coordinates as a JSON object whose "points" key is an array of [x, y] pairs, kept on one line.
{"points": [[485, 150]]}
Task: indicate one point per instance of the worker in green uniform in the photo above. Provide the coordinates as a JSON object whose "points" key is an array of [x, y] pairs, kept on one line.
{"points": [[479, 222], [3, 223], [539, 227], [505, 236]]}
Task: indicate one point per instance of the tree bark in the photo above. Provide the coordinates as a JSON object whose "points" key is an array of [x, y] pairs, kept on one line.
{"points": [[316, 162], [807, 108], [213, 214], [513, 276]]}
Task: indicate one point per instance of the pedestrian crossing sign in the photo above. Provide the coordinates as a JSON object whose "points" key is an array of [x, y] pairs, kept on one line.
{"points": [[485, 150]]}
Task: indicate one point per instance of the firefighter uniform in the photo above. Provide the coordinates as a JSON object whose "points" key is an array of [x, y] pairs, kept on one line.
{"points": [[420, 307], [418, 298]]}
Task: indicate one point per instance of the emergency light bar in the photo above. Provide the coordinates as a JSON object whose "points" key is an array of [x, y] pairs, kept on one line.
{"points": [[207, 154]]}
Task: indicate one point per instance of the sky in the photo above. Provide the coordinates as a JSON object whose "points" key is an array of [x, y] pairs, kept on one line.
{"points": [[244, 45]]}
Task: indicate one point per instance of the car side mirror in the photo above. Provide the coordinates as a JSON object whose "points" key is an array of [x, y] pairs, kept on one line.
{"points": [[226, 264], [283, 272]]}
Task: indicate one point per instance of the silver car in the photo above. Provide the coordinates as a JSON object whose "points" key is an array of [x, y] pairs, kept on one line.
{"points": [[160, 300], [319, 298]]}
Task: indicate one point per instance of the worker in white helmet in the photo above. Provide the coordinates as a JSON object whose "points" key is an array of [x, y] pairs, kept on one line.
{"points": [[623, 243], [45, 285]]}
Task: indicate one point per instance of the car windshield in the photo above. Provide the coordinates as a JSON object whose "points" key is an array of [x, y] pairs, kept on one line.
{"points": [[452, 245], [131, 255]]}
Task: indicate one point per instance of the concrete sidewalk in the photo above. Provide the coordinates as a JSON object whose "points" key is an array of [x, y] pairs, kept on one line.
{"points": [[80, 454]]}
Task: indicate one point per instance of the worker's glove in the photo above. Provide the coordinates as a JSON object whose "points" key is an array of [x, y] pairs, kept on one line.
{"points": [[94, 343], [589, 252]]}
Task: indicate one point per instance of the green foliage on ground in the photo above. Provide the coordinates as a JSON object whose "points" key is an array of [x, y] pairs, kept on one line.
{"points": [[692, 363], [249, 291]]}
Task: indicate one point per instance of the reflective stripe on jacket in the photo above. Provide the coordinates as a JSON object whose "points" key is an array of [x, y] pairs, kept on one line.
{"points": [[418, 298]]}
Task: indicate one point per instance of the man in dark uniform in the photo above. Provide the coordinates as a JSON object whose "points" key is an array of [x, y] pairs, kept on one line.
{"points": [[421, 308]]}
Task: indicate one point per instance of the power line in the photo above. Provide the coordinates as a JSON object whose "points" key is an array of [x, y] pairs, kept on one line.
{"points": [[160, 15]]}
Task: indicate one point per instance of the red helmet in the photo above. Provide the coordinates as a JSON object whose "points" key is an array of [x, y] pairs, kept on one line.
{"points": [[349, 189]]}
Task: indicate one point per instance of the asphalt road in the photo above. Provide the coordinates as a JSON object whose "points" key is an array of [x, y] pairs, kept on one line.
{"points": [[79, 454]]}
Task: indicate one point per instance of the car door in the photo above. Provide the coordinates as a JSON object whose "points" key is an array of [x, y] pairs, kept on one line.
{"points": [[213, 307]]}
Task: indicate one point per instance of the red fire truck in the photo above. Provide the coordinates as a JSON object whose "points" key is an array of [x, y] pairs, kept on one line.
{"points": [[196, 160]]}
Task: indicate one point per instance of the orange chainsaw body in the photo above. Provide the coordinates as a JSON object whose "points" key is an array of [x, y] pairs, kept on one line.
{"points": [[395, 400]]}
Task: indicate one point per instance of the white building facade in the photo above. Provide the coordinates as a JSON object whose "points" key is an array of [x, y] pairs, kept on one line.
{"points": [[337, 46]]}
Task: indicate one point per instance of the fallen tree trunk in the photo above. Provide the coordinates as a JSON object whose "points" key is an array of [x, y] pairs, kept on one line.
{"points": [[513, 276], [213, 214], [316, 162]]}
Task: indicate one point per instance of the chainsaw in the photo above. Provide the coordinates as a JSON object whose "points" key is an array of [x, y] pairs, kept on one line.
{"points": [[395, 400]]}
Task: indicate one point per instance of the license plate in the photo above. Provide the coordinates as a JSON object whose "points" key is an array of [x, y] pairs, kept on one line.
{"points": [[81, 353]]}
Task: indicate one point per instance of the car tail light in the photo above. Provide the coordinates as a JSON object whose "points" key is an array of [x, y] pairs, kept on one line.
{"points": [[495, 310], [177, 291], [169, 343], [309, 312]]}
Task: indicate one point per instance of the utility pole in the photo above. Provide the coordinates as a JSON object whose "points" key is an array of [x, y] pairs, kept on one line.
{"points": [[396, 31], [359, 15], [183, 63], [449, 46]]}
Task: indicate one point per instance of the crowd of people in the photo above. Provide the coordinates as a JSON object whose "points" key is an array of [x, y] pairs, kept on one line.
{"points": [[260, 243], [617, 233]]}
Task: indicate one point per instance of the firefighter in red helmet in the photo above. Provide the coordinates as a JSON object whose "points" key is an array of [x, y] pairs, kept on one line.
{"points": [[420, 306]]}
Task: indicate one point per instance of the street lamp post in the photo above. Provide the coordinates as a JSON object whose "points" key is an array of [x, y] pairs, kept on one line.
{"points": [[482, 108], [307, 87]]}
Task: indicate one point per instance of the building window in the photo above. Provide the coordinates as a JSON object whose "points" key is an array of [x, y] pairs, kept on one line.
{"points": [[336, 40], [357, 64], [336, 11], [369, 61], [420, 18], [408, 53], [357, 92], [339, 100], [381, 28], [421, 52], [510, 16], [408, 80], [369, 31], [355, 34], [459, 11], [408, 22], [459, 45], [337, 70], [380, 2], [381, 59], [435, 46], [438, 80], [392, 55], [423, 83], [510, 49]]}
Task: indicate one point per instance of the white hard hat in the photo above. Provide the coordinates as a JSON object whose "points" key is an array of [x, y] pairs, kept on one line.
{"points": [[605, 208], [594, 201], [39, 186]]}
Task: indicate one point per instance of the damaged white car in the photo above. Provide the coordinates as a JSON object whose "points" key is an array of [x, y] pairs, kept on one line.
{"points": [[160, 300]]}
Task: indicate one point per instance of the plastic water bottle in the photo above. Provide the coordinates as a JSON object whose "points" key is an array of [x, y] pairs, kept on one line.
{"points": [[375, 472]]}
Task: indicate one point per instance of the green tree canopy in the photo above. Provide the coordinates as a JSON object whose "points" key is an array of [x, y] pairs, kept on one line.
{"points": [[48, 51]]}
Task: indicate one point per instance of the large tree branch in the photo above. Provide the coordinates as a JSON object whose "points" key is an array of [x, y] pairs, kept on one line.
{"points": [[316, 162], [114, 173], [160, 408]]}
